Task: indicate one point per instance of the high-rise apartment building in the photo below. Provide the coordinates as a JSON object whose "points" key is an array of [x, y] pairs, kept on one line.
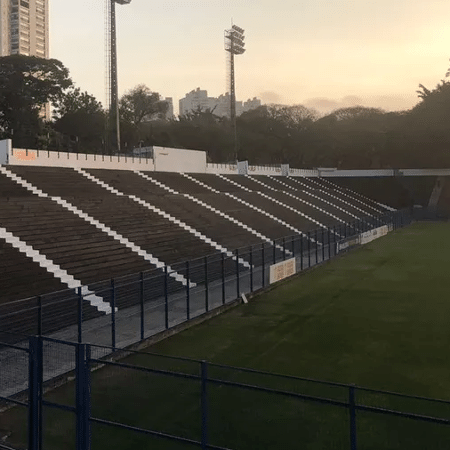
{"points": [[24, 28], [198, 100]]}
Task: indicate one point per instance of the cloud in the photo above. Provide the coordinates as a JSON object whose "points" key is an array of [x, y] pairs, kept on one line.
{"points": [[387, 102], [270, 97], [325, 105]]}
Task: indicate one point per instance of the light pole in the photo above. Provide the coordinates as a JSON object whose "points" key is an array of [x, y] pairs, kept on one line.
{"points": [[111, 61], [234, 44]]}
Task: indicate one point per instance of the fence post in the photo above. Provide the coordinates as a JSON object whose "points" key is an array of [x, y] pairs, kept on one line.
{"points": [[323, 245], [274, 253], [251, 268], [263, 266], [39, 299], [166, 298], [329, 242], [188, 292], [83, 400], [293, 246], [206, 285], [141, 298], [223, 279], [352, 411], [113, 314], [301, 252], [80, 315], [204, 403], [308, 235], [284, 249], [317, 247], [238, 290], [35, 393]]}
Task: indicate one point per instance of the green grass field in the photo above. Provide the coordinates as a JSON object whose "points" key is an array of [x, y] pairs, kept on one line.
{"points": [[378, 317]]}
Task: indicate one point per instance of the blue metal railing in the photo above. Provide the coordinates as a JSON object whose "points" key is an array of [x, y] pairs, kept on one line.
{"points": [[219, 279], [84, 363]]}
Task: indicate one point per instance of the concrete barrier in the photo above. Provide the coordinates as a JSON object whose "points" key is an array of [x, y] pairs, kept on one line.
{"points": [[179, 160], [5, 151]]}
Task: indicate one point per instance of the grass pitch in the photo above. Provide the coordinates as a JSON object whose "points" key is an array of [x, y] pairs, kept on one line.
{"points": [[378, 317]]}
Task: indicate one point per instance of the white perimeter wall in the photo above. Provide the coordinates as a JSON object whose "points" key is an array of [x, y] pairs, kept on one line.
{"points": [[222, 168], [303, 173], [23, 157], [264, 170], [181, 160], [177, 160]]}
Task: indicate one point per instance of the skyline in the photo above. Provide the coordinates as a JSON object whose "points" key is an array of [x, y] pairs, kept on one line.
{"points": [[325, 55]]}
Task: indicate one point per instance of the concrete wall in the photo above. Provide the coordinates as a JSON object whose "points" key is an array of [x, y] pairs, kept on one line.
{"points": [[358, 173], [5, 151], [223, 169], [264, 170], [179, 160], [23, 157], [424, 172], [303, 172], [385, 173]]}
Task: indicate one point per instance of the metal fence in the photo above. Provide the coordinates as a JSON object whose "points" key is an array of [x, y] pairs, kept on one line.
{"points": [[210, 406], [124, 310]]}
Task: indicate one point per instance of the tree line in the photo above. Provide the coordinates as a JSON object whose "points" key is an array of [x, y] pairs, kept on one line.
{"points": [[354, 137]]}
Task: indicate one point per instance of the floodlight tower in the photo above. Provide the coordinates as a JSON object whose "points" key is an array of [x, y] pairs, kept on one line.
{"points": [[112, 94], [234, 45]]}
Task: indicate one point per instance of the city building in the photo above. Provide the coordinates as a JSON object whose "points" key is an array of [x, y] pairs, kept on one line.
{"points": [[220, 106], [169, 113], [195, 100], [251, 104], [24, 31], [24, 28]]}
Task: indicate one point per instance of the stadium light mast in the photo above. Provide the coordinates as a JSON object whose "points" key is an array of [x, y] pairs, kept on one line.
{"points": [[112, 94], [234, 45]]}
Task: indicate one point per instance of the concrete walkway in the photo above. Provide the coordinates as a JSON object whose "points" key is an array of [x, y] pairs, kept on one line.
{"points": [[59, 357]]}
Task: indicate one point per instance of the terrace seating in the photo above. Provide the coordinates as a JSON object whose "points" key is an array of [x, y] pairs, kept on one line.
{"points": [[66, 239], [207, 222], [153, 233], [333, 205], [20, 276], [100, 224], [338, 196], [387, 190]]}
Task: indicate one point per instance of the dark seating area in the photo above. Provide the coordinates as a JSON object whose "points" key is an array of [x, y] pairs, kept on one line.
{"points": [[83, 250], [199, 217], [20, 276], [397, 192], [99, 224]]}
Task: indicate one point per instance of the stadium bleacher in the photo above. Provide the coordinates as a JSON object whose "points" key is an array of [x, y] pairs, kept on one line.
{"points": [[92, 225]]}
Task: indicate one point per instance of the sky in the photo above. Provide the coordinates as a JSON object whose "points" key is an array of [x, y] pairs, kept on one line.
{"points": [[323, 54]]}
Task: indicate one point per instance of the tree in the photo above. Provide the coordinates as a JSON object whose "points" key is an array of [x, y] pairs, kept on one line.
{"points": [[293, 116], [351, 137], [27, 83], [75, 101], [80, 117], [140, 104], [427, 127]]}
